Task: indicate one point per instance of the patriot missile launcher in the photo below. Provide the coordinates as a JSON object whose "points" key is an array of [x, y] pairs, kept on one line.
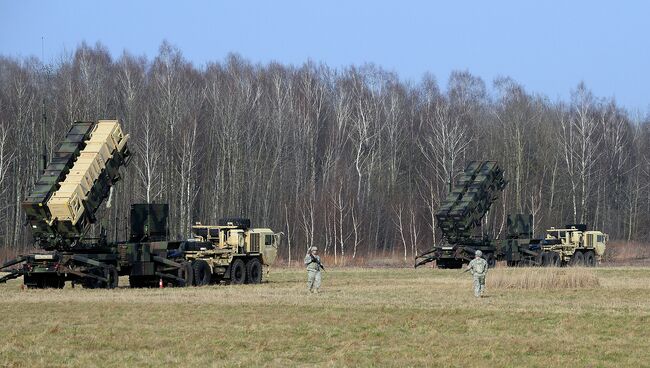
{"points": [[62, 207], [460, 215]]}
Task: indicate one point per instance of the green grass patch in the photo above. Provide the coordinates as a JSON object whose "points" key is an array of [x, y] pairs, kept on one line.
{"points": [[375, 317]]}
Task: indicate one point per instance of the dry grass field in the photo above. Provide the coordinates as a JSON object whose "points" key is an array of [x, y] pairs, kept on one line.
{"points": [[363, 317]]}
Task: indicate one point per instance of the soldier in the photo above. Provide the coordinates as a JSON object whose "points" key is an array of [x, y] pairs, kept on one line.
{"points": [[478, 267], [312, 261]]}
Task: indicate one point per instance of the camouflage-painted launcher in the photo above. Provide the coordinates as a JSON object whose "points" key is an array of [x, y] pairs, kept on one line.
{"points": [[76, 181], [470, 199]]}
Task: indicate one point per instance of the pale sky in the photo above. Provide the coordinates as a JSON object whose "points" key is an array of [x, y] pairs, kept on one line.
{"points": [[548, 46]]}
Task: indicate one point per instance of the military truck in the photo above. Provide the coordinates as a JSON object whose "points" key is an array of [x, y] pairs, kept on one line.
{"points": [[231, 251], [459, 217], [62, 207], [572, 245]]}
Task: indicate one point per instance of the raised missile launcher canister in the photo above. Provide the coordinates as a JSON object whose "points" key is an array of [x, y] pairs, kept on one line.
{"points": [[63, 159], [84, 167], [461, 213]]}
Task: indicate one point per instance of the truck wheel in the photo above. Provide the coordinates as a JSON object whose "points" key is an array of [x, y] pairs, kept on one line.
{"points": [[590, 259], [554, 260], [113, 277], [253, 271], [577, 260], [186, 272], [491, 260], [202, 272], [237, 272], [539, 259], [546, 259]]}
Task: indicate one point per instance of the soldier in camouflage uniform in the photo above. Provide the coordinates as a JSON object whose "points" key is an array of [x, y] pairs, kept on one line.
{"points": [[478, 267], [312, 261]]}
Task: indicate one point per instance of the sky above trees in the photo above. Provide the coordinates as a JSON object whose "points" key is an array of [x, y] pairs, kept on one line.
{"points": [[549, 47]]}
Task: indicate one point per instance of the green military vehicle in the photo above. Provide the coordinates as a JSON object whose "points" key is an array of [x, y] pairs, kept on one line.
{"points": [[459, 217], [520, 248], [62, 206], [231, 251]]}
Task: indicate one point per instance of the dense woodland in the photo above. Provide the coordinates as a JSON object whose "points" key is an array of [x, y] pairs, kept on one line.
{"points": [[354, 160]]}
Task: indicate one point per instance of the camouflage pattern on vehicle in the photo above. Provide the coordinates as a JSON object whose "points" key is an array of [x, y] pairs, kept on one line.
{"points": [[520, 248], [460, 216], [62, 206]]}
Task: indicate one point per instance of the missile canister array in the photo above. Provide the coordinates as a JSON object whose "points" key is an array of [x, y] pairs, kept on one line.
{"points": [[470, 199], [83, 168]]}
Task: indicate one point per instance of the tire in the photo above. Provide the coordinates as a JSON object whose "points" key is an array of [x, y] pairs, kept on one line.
{"points": [[113, 278], [491, 260], [590, 259], [577, 260], [546, 259], [237, 272], [539, 259], [554, 260], [253, 271], [202, 272], [186, 272]]}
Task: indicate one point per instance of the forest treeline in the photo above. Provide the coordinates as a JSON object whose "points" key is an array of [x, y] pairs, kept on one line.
{"points": [[352, 159]]}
